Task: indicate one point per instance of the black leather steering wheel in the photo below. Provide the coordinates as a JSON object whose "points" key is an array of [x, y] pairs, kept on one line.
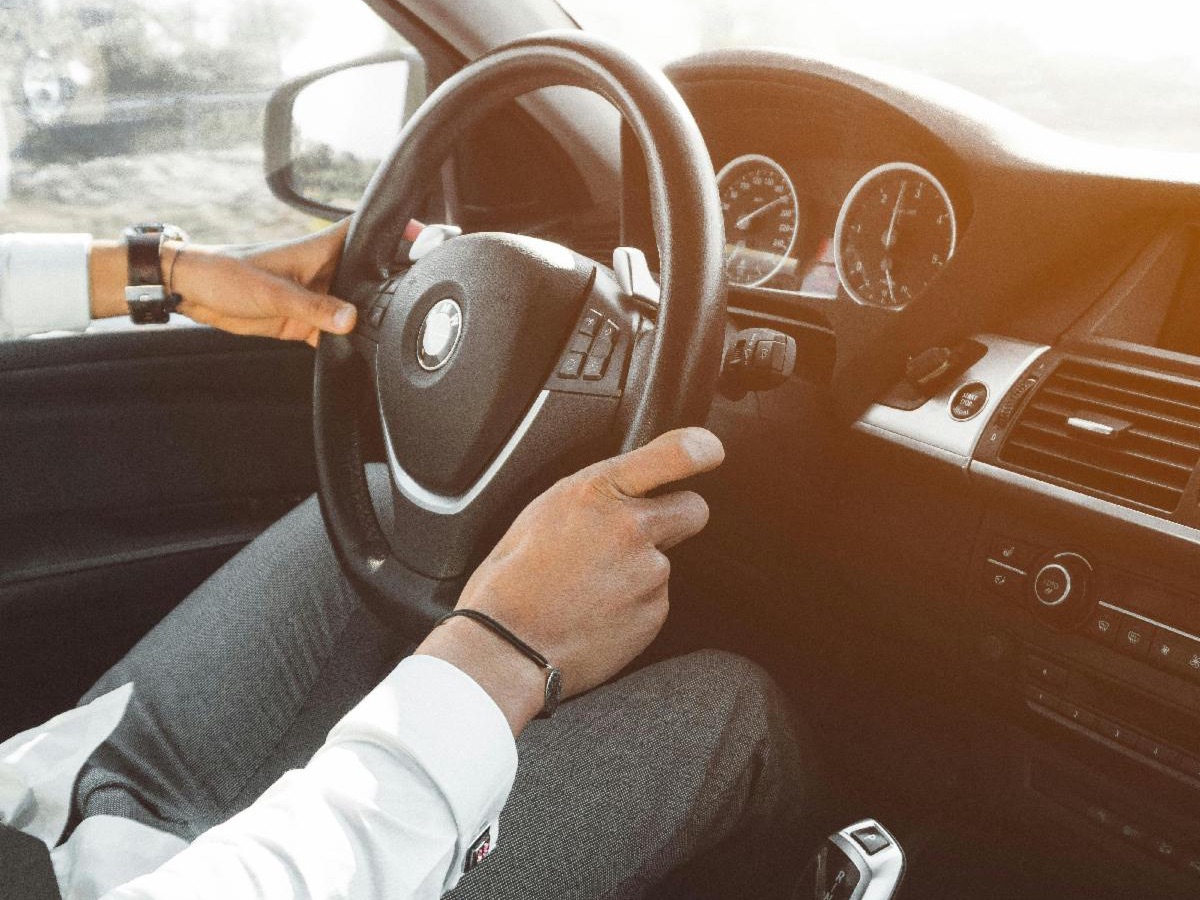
{"points": [[468, 366]]}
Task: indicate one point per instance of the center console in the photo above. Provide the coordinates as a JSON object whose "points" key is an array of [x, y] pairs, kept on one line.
{"points": [[1085, 575]]}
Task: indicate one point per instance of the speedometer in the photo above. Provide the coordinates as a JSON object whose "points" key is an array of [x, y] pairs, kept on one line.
{"points": [[894, 234], [761, 210]]}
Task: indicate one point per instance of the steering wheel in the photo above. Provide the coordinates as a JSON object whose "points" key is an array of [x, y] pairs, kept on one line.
{"points": [[498, 362]]}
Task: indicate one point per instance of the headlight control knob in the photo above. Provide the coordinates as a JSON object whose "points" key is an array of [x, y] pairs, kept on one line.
{"points": [[1060, 590]]}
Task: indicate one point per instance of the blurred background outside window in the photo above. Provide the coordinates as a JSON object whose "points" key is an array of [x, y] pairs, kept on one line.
{"points": [[119, 111]]}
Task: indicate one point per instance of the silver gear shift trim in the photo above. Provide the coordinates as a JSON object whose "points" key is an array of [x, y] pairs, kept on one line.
{"points": [[879, 872]]}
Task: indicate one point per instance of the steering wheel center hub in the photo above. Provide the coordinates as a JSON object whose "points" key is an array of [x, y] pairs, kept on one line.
{"points": [[470, 337]]}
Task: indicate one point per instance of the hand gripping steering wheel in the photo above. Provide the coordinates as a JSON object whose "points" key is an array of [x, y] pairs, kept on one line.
{"points": [[500, 361]]}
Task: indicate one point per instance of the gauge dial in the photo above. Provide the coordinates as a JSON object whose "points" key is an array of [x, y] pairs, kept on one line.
{"points": [[761, 214], [894, 234]]}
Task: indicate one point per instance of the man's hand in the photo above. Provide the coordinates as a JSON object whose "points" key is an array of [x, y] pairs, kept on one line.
{"points": [[279, 290], [581, 575]]}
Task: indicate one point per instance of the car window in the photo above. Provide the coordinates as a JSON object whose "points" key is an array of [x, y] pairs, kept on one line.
{"points": [[1124, 74], [120, 111]]}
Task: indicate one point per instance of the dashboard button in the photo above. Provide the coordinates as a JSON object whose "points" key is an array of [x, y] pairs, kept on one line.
{"points": [[1188, 662], [1134, 637], [1167, 650], [1165, 848], [1052, 584], [1111, 730], [1017, 554], [1133, 833], [1046, 672], [1003, 581], [1189, 861], [1151, 748], [1081, 717], [1103, 626], [968, 401]]}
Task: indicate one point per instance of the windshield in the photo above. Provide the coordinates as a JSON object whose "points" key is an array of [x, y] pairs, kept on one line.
{"points": [[1124, 74]]}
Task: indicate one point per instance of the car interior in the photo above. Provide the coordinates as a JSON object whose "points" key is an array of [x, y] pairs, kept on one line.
{"points": [[953, 355]]}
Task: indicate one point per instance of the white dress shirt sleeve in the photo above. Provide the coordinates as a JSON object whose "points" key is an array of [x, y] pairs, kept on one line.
{"points": [[406, 785], [43, 283]]}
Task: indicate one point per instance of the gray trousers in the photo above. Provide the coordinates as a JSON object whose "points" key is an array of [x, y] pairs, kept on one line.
{"points": [[686, 772]]}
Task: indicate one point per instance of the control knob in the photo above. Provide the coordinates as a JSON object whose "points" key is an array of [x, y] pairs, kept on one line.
{"points": [[1060, 590]]}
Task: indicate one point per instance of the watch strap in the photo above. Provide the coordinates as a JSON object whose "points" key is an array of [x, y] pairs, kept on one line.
{"points": [[145, 266], [148, 300]]}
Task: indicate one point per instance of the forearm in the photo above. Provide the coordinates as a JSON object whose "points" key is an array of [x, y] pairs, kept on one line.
{"points": [[107, 274]]}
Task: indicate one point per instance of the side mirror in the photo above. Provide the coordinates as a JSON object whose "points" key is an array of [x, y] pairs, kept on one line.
{"points": [[327, 132]]}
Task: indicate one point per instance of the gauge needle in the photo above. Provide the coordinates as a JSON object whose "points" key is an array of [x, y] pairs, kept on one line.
{"points": [[744, 222], [889, 237], [891, 283]]}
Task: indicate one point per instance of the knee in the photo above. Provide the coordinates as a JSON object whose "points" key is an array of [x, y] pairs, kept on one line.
{"points": [[734, 689]]}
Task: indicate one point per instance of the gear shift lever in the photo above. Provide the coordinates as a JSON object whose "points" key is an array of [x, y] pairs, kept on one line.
{"points": [[862, 862]]}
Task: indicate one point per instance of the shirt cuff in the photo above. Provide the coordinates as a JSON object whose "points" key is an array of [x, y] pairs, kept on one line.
{"points": [[45, 282], [456, 733]]}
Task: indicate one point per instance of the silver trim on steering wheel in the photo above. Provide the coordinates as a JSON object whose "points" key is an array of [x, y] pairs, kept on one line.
{"points": [[444, 505]]}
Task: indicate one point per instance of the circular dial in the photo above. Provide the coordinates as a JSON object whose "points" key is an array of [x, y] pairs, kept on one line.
{"points": [[895, 232], [761, 212]]}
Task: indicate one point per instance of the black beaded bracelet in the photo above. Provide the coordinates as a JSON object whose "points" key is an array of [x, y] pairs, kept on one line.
{"points": [[553, 694]]}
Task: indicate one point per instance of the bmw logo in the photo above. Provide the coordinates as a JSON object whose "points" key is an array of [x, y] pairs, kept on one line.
{"points": [[438, 338]]}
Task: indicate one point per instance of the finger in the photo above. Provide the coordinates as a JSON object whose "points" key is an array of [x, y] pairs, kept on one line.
{"points": [[413, 229], [672, 518], [289, 300], [670, 457]]}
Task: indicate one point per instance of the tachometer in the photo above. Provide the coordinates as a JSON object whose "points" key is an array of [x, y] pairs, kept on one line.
{"points": [[894, 234], [761, 212]]}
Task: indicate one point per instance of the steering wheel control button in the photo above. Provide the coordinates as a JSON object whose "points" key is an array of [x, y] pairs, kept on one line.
{"points": [[1134, 638], [581, 343], [593, 369], [439, 335], [968, 401], [601, 351], [591, 321], [1004, 581], [572, 366], [871, 839], [1052, 584]]}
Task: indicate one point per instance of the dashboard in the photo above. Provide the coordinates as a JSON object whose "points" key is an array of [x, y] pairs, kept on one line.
{"points": [[1041, 501]]}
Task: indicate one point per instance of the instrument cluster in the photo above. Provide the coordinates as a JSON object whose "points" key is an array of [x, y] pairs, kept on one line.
{"points": [[893, 233]]}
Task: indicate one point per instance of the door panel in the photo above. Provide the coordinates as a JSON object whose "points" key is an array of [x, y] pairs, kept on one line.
{"points": [[131, 466]]}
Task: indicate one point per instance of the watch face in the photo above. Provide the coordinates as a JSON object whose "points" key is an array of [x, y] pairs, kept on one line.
{"points": [[168, 232]]}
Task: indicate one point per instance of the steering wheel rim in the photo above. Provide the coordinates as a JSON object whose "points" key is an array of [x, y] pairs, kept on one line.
{"points": [[668, 371]]}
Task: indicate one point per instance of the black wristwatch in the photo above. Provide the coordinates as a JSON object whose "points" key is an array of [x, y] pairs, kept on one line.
{"points": [[148, 299]]}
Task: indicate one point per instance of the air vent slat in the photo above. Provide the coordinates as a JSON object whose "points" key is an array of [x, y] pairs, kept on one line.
{"points": [[1121, 409], [1149, 458], [1177, 407], [1072, 445], [1139, 440]]}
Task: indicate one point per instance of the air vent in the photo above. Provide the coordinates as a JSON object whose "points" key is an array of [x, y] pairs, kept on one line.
{"points": [[1125, 434]]}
